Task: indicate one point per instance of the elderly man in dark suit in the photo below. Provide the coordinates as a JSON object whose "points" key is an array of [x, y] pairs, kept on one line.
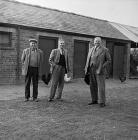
{"points": [[31, 59], [97, 60], [59, 62]]}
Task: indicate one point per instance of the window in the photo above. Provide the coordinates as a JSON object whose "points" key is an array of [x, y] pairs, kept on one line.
{"points": [[5, 39]]}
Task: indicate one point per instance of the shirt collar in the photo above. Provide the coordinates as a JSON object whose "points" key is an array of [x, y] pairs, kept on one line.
{"points": [[34, 49]]}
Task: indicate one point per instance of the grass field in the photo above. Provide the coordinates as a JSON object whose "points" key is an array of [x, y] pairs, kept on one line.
{"points": [[70, 119]]}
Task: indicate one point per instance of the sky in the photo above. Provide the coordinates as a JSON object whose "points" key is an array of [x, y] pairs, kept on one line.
{"points": [[120, 11]]}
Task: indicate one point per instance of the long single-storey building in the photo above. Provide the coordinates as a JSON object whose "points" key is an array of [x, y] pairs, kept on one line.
{"points": [[19, 22]]}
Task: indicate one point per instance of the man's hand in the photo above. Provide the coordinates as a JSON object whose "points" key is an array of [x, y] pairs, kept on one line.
{"points": [[97, 72]]}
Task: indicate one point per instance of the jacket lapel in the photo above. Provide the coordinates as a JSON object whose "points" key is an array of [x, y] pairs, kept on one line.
{"points": [[88, 58], [65, 54], [99, 51], [58, 55], [90, 52]]}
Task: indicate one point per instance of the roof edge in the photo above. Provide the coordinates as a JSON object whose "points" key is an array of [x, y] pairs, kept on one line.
{"points": [[62, 11], [122, 24], [56, 31]]}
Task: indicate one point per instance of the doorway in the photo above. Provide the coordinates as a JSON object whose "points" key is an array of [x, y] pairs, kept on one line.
{"points": [[80, 56], [46, 44]]}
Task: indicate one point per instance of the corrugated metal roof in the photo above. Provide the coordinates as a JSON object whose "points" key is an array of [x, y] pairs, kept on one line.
{"points": [[129, 31], [28, 15], [132, 29]]}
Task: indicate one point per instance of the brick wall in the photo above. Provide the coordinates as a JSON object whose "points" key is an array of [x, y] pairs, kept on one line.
{"points": [[69, 43], [8, 63], [10, 69], [8, 59], [24, 43]]}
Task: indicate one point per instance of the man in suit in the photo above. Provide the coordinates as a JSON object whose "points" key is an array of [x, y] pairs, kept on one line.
{"points": [[59, 62], [97, 60], [31, 59]]}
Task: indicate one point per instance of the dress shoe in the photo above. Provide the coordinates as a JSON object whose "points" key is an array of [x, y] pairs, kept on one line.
{"points": [[26, 100], [36, 100], [50, 100], [94, 102], [102, 104]]}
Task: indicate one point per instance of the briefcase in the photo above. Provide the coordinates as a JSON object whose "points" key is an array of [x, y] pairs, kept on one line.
{"points": [[46, 78]]}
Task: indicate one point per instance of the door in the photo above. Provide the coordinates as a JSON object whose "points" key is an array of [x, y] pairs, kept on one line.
{"points": [[110, 46], [118, 61], [80, 56], [46, 44]]}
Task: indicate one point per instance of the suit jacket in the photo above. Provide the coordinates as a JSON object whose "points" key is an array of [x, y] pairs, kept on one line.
{"points": [[55, 56], [101, 59], [26, 58]]}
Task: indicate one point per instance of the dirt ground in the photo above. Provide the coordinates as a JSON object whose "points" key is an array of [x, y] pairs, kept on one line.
{"points": [[72, 118]]}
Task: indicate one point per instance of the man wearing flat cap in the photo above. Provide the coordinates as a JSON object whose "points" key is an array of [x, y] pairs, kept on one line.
{"points": [[31, 59]]}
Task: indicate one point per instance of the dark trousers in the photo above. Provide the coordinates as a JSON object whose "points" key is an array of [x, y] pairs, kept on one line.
{"points": [[32, 74], [57, 81], [93, 84], [97, 86]]}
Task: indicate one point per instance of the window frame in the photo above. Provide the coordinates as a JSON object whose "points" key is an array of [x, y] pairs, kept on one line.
{"points": [[8, 45]]}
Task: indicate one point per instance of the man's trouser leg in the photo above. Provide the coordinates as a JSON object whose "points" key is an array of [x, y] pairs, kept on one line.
{"points": [[35, 82], [93, 85], [101, 88], [54, 81], [61, 82], [27, 83]]}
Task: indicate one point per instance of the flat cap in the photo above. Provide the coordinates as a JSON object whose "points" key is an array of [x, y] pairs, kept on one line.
{"points": [[32, 40]]}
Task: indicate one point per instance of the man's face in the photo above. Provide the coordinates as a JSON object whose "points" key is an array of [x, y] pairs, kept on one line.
{"points": [[33, 44], [61, 44], [97, 42]]}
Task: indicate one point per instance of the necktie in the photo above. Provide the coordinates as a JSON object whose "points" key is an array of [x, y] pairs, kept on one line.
{"points": [[92, 58], [34, 49], [62, 51], [95, 49]]}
